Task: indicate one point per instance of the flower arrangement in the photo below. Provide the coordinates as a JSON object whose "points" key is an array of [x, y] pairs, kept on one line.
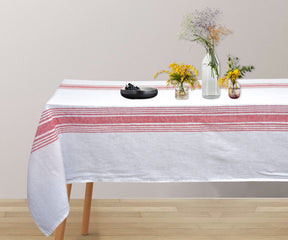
{"points": [[180, 74], [234, 72], [200, 26]]}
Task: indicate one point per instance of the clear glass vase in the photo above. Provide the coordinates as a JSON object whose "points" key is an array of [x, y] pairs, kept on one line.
{"points": [[234, 90], [210, 88], [181, 92]]}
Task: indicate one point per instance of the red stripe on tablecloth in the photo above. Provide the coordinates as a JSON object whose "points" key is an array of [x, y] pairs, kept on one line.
{"points": [[135, 111], [34, 148], [56, 121], [89, 87], [49, 125], [130, 115], [50, 116], [46, 138], [72, 128], [174, 109], [47, 114], [164, 128], [247, 85], [263, 85], [106, 87]]}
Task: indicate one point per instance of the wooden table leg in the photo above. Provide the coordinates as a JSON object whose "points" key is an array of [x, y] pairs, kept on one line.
{"points": [[87, 208], [60, 230]]}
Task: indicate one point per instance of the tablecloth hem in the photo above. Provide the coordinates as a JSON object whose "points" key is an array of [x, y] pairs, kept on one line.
{"points": [[91, 179], [57, 223]]}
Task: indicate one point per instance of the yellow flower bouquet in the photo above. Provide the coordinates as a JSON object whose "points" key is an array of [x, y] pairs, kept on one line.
{"points": [[179, 74], [234, 72]]}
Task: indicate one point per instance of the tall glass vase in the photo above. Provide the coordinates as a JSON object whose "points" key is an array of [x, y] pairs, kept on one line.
{"points": [[210, 88]]}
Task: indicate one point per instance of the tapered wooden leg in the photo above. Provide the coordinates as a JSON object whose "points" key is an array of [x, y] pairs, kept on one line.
{"points": [[87, 208], [60, 230]]}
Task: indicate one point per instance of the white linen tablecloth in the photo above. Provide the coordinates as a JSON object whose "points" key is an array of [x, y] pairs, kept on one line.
{"points": [[89, 132]]}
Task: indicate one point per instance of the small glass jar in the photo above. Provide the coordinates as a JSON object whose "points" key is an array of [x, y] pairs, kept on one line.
{"points": [[234, 90], [181, 92]]}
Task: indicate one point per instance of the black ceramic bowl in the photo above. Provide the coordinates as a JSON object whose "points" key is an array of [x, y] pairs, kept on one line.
{"points": [[142, 93]]}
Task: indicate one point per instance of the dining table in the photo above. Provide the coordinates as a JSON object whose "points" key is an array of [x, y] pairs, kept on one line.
{"points": [[89, 132]]}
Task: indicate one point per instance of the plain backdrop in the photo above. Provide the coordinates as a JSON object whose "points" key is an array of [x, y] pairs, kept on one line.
{"points": [[43, 42]]}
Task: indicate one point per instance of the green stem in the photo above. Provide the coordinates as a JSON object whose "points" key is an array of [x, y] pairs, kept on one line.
{"points": [[213, 62], [181, 87]]}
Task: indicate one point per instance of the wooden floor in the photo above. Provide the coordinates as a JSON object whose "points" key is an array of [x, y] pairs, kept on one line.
{"points": [[219, 219]]}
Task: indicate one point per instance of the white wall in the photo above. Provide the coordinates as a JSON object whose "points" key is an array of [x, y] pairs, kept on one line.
{"points": [[43, 42]]}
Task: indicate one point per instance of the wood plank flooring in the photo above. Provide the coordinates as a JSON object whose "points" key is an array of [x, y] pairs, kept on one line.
{"points": [[159, 219]]}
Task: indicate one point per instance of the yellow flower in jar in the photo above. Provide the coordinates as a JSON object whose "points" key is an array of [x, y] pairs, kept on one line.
{"points": [[229, 74], [237, 73], [181, 73], [223, 82]]}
